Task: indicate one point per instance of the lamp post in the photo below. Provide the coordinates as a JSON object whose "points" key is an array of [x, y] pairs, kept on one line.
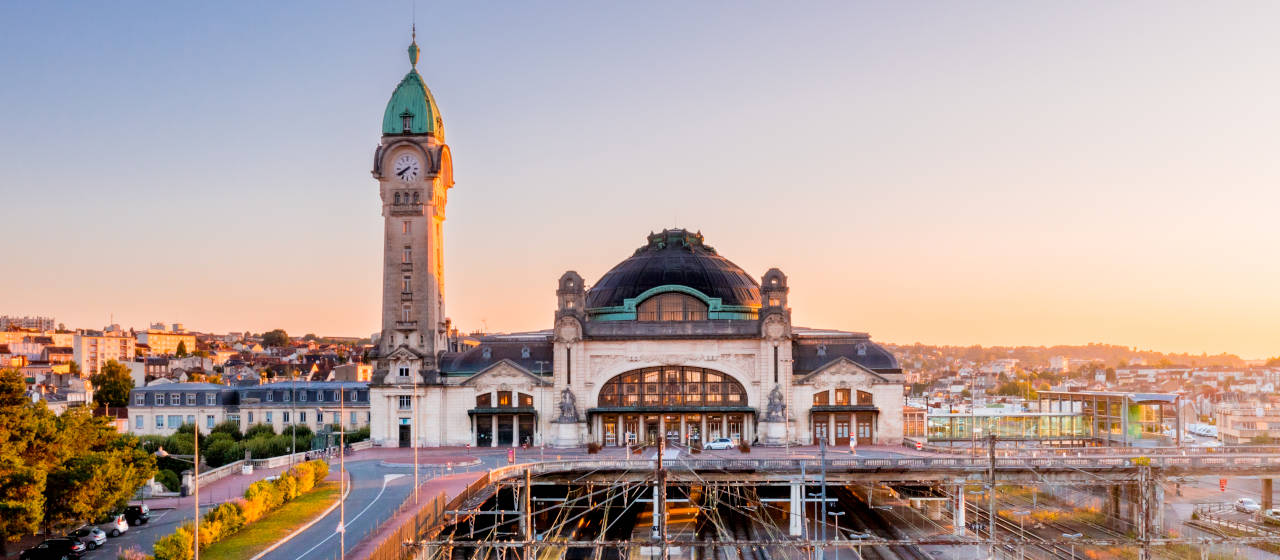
{"points": [[1022, 533], [195, 484], [1072, 537], [342, 473], [836, 514]]}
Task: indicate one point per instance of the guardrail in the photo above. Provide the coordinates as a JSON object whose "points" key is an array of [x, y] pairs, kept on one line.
{"points": [[220, 473], [1208, 463], [429, 515]]}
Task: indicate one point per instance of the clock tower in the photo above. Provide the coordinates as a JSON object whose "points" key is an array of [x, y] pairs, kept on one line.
{"points": [[414, 171]]}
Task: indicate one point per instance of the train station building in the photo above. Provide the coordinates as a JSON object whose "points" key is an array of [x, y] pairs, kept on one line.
{"points": [[675, 342]]}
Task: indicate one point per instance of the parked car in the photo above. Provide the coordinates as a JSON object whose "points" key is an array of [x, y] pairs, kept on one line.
{"points": [[1247, 505], [92, 537], [719, 443], [54, 549], [1271, 517], [137, 515], [114, 525]]}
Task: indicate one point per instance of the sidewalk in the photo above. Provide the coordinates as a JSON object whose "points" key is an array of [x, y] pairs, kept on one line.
{"points": [[216, 492], [451, 485]]}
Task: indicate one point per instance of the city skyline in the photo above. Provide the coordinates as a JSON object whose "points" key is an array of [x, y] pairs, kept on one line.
{"points": [[1115, 189]]}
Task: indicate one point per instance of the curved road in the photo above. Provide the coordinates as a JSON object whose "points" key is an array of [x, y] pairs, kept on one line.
{"points": [[376, 492]]}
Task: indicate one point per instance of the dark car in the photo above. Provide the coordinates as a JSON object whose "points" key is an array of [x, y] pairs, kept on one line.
{"points": [[137, 515], [55, 549]]}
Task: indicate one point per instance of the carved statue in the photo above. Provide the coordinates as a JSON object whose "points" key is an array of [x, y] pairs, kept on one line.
{"points": [[568, 408], [777, 409]]}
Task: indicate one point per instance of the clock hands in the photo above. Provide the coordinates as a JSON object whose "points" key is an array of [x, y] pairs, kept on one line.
{"points": [[401, 172]]}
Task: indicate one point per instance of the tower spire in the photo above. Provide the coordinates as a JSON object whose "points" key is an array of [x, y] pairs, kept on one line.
{"points": [[413, 46]]}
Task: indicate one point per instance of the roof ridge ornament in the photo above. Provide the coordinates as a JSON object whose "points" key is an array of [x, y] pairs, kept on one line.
{"points": [[413, 46]]}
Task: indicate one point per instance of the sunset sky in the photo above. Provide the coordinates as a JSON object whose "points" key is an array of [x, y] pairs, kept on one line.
{"points": [[949, 173]]}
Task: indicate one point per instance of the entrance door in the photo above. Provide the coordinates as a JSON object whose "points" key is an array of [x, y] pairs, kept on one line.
{"points": [[484, 430], [651, 430], [864, 428], [405, 435], [631, 431], [819, 429], [842, 429], [504, 430], [526, 429]]}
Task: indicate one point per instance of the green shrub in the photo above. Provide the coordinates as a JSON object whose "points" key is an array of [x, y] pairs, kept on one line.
{"points": [[169, 479], [258, 430], [357, 435], [230, 427], [176, 546], [260, 498], [321, 469]]}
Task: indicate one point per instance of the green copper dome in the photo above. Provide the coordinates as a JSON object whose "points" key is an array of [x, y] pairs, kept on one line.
{"points": [[413, 101]]}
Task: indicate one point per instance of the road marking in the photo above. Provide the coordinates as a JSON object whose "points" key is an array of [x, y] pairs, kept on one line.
{"points": [[385, 479]]}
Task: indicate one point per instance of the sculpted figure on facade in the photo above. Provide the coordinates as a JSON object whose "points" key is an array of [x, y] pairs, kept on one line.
{"points": [[568, 408], [776, 410]]}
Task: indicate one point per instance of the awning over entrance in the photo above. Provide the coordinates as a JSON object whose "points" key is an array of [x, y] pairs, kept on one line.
{"points": [[507, 410], [669, 408], [824, 408]]}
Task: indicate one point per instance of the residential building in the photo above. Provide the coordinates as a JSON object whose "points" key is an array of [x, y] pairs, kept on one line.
{"points": [[93, 349], [165, 343]]}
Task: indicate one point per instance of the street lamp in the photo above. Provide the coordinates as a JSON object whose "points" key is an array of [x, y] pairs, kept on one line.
{"points": [[195, 484], [1072, 537], [1022, 533], [837, 514]]}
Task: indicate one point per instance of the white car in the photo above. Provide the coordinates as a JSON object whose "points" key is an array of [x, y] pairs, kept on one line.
{"points": [[1247, 505], [719, 443], [1271, 517]]}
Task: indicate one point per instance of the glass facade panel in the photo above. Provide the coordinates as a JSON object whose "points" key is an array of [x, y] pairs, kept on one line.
{"points": [[672, 387]]}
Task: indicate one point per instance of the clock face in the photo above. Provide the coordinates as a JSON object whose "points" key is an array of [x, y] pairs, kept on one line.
{"points": [[406, 168]]}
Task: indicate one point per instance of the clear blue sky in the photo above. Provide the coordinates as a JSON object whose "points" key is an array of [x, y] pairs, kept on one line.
{"points": [[981, 172]]}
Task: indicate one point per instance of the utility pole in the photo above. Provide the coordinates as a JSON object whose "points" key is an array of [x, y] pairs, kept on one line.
{"points": [[413, 430], [822, 447], [342, 473], [660, 500], [991, 492], [196, 483]]}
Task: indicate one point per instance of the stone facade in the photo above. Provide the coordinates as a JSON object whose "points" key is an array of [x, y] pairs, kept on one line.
{"points": [[674, 343]]}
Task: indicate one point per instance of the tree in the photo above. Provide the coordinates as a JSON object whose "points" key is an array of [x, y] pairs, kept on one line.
{"points": [[99, 470], [275, 338], [1273, 362], [181, 352], [111, 385], [28, 436]]}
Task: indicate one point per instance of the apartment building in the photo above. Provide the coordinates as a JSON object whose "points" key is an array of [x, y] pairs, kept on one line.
{"points": [[93, 349]]}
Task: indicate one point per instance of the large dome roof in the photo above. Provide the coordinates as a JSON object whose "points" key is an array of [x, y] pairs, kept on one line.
{"points": [[675, 257]]}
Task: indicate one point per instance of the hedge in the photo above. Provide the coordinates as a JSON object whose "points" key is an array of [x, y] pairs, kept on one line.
{"points": [[261, 498]]}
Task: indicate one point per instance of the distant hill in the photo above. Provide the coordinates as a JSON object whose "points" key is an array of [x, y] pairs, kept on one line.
{"points": [[931, 357]]}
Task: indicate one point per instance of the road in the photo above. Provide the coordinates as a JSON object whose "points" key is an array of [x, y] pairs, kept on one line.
{"points": [[376, 492], [142, 538]]}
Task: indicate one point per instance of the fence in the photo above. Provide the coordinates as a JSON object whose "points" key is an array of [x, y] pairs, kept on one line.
{"points": [[1219, 515], [220, 473], [428, 516]]}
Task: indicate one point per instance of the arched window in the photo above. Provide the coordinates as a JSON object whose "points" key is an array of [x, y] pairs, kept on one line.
{"points": [[864, 397], [672, 306], [397, 198], [673, 386]]}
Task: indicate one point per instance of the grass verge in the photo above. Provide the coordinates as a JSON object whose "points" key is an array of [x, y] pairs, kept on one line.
{"points": [[275, 526]]}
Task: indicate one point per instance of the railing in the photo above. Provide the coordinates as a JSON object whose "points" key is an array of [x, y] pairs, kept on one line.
{"points": [[361, 445], [220, 473], [1213, 514], [428, 516], [1209, 463], [299, 457]]}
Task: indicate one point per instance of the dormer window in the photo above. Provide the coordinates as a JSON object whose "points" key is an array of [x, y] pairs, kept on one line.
{"points": [[822, 350], [524, 352], [406, 122], [672, 306], [486, 353], [862, 349]]}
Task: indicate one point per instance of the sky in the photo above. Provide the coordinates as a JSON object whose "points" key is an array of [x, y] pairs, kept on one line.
{"points": [[996, 173]]}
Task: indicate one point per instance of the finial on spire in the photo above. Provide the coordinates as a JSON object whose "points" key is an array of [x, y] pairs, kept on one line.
{"points": [[413, 48]]}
